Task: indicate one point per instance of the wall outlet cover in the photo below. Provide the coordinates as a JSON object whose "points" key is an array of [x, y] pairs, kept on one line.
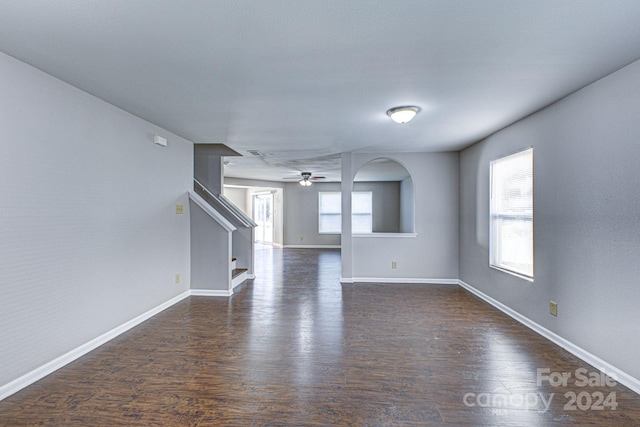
{"points": [[553, 308]]}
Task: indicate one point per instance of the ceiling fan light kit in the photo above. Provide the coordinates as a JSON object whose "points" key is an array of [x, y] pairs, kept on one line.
{"points": [[403, 114], [305, 179]]}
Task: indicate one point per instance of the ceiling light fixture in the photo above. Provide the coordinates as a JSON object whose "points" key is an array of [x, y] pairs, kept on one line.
{"points": [[305, 179], [403, 114]]}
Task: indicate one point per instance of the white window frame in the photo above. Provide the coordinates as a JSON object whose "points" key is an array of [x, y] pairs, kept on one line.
{"points": [[368, 214], [339, 213], [321, 212], [520, 261]]}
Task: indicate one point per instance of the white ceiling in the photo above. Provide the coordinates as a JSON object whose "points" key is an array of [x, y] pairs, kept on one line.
{"points": [[303, 81]]}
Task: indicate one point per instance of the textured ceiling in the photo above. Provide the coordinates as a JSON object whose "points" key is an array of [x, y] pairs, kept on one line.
{"points": [[302, 81]]}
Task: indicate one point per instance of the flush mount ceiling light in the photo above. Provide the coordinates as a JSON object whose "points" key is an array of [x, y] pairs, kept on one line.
{"points": [[403, 114]]}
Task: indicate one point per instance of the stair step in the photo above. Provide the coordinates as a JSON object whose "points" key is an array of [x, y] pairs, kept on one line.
{"points": [[238, 276], [237, 271]]}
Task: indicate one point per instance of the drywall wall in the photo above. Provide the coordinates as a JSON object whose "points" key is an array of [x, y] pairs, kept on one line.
{"points": [[407, 210], [385, 201], [301, 215], [88, 224], [301, 211], [586, 220], [210, 257], [432, 254], [237, 196]]}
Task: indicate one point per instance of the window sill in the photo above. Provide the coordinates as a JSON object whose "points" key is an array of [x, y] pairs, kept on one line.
{"points": [[504, 270]]}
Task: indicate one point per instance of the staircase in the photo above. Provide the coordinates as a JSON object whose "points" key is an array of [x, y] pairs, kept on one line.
{"points": [[238, 275]]}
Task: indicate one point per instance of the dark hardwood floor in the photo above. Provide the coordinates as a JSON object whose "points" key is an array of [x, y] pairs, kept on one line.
{"points": [[296, 348]]}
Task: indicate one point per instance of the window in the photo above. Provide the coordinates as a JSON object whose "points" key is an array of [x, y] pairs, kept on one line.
{"points": [[330, 212], [361, 215], [511, 228], [329, 208]]}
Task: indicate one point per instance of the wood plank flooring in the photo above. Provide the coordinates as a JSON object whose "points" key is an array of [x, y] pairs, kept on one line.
{"points": [[294, 347]]}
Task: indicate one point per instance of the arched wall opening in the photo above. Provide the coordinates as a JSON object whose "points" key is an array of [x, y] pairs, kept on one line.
{"points": [[383, 198]]}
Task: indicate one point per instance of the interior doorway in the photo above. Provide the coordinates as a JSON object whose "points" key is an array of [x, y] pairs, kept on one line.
{"points": [[263, 216]]}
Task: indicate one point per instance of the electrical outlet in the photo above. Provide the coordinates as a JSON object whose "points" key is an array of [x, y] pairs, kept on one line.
{"points": [[394, 264], [553, 308], [177, 278], [179, 209]]}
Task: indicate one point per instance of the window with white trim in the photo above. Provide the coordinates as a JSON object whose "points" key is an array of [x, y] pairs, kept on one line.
{"points": [[511, 216], [361, 212], [330, 212]]}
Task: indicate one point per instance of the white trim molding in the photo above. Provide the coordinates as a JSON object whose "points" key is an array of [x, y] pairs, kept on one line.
{"points": [[406, 280], [605, 367], [57, 363], [210, 293], [386, 235], [312, 246], [211, 211]]}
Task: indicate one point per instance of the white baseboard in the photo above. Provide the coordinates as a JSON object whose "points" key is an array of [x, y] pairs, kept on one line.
{"points": [[391, 280], [210, 293], [50, 367], [276, 245], [615, 373], [57, 363], [312, 246]]}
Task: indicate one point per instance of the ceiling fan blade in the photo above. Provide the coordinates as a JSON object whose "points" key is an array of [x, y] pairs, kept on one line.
{"points": [[318, 177]]}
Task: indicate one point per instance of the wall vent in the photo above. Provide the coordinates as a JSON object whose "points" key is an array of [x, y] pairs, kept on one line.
{"points": [[254, 152]]}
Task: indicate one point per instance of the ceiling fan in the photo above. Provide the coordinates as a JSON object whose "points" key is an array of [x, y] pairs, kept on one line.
{"points": [[305, 178]]}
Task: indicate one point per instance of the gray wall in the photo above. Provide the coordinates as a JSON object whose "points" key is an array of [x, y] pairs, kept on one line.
{"points": [[301, 215], [587, 218], [430, 255], [407, 206], [90, 237], [385, 204], [301, 210], [211, 252], [237, 196]]}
